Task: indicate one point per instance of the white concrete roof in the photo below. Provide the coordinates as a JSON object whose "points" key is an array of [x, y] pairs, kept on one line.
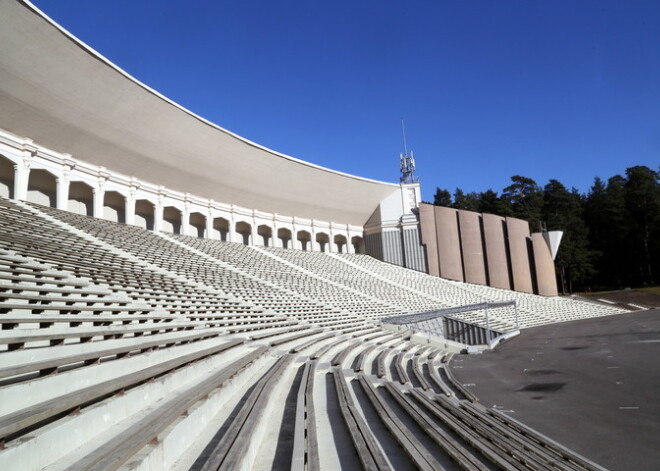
{"points": [[59, 92]]}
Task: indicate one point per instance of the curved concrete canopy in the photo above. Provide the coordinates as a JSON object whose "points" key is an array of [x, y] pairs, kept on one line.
{"points": [[62, 94]]}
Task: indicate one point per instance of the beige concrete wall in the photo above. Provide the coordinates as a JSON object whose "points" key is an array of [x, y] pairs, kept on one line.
{"points": [[518, 236], [472, 247], [496, 256], [449, 246], [427, 228], [486, 249], [546, 280]]}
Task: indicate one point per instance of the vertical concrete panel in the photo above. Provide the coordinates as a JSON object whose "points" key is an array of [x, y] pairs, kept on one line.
{"points": [[427, 225], [374, 245], [472, 247], [413, 250], [449, 246], [392, 247], [518, 232], [545, 267], [496, 258]]}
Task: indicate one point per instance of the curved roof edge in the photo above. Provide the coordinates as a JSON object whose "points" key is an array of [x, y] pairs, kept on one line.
{"points": [[111, 64], [87, 143]]}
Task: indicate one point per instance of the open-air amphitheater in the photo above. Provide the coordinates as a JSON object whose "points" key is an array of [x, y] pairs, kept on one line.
{"points": [[170, 319]]}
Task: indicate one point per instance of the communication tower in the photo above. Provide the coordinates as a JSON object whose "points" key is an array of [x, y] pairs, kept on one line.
{"points": [[407, 161]]}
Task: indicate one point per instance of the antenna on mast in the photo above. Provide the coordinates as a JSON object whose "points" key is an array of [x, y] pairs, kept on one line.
{"points": [[403, 131], [407, 160]]}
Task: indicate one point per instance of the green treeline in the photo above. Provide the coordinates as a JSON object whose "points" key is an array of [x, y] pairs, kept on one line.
{"points": [[611, 234]]}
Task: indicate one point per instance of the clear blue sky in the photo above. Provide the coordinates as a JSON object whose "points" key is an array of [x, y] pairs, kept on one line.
{"points": [[563, 89]]}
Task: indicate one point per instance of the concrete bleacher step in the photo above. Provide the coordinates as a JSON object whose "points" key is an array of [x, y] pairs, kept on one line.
{"points": [[37, 321], [155, 424], [19, 339], [370, 453], [420, 455], [22, 419], [144, 380], [232, 450], [121, 253], [319, 277]]}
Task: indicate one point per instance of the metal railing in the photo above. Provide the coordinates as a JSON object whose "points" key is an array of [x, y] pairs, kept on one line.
{"points": [[434, 322]]}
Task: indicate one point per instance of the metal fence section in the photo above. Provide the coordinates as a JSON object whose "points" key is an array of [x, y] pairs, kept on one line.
{"points": [[441, 324]]}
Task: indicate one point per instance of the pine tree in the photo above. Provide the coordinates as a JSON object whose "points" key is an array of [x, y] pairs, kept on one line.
{"points": [[642, 201], [525, 199], [562, 210], [442, 197]]}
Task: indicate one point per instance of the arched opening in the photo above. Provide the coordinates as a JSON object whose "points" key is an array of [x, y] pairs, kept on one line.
{"points": [[145, 212], [42, 188], [305, 240], [197, 224], [358, 244], [81, 199], [340, 243], [285, 237], [114, 207], [323, 240], [220, 229], [265, 235], [171, 220], [243, 232], [6, 177]]}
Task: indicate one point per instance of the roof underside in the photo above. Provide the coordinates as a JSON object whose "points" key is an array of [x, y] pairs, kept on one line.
{"points": [[59, 92]]}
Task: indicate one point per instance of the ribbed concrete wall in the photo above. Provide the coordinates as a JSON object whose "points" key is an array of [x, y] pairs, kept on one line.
{"points": [[496, 251], [374, 245], [546, 280], [413, 250], [472, 247], [399, 246], [449, 245], [392, 247], [427, 227], [518, 232]]}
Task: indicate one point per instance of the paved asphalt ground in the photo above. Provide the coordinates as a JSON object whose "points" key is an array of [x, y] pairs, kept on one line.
{"points": [[592, 385]]}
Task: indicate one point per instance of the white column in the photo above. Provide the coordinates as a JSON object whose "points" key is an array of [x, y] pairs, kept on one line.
{"points": [[275, 241], [313, 245], [21, 178], [208, 222], [62, 189], [158, 214], [349, 243], [99, 195], [129, 206], [185, 219], [331, 243], [231, 235], [254, 237], [61, 192], [22, 171], [294, 236]]}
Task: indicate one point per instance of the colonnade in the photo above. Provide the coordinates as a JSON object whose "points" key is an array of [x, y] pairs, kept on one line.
{"points": [[32, 173]]}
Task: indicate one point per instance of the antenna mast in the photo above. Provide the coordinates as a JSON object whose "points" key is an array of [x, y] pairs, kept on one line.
{"points": [[407, 160]]}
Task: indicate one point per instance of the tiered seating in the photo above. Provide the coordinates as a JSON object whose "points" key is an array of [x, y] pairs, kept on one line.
{"points": [[254, 262], [29, 234], [532, 310], [336, 271], [203, 269], [124, 349]]}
